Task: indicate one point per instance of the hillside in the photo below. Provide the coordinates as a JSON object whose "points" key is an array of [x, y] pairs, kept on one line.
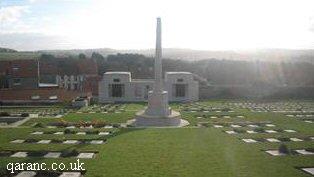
{"points": [[275, 55], [7, 50]]}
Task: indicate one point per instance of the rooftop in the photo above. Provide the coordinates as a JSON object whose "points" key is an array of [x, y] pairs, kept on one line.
{"points": [[179, 72], [117, 72]]}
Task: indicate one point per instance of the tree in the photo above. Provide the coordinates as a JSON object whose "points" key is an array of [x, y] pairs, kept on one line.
{"points": [[97, 56], [82, 56], [47, 56]]}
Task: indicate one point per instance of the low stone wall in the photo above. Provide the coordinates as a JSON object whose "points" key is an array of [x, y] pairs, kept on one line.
{"points": [[15, 96]]}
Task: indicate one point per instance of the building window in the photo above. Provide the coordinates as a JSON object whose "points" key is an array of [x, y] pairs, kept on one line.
{"points": [[180, 90], [116, 80], [16, 81], [116, 90], [15, 67], [180, 80]]}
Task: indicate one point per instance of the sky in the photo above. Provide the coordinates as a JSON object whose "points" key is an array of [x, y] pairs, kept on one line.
{"points": [[130, 24]]}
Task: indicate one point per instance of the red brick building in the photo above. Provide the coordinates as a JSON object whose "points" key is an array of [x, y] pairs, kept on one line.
{"points": [[47, 80]]}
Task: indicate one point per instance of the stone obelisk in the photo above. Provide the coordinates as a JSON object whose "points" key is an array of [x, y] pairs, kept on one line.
{"points": [[158, 98], [158, 113]]}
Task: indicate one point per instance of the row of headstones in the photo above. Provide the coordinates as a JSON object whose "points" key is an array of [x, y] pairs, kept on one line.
{"points": [[252, 131], [89, 127], [102, 109], [248, 125], [208, 111], [54, 154], [103, 112], [297, 151], [279, 111], [19, 141], [300, 115], [304, 117], [216, 117], [63, 174], [281, 106], [62, 133], [34, 114], [275, 140]]}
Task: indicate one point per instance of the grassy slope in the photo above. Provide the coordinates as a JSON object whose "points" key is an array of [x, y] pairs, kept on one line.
{"points": [[179, 152], [191, 152]]}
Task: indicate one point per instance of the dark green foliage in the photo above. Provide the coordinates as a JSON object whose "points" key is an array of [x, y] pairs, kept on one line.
{"points": [[4, 114], [31, 141], [56, 141], [48, 174], [47, 56], [49, 132], [283, 149], [39, 125], [259, 130], [98, 57], [116, 125], [5, 153], [92, 132], [7, 50], [283, 139], [37, 153], [69, 153], [24, 115], [4, 172], [310, 149], [239, 130], [225, 109], [82, 56], [68, 131]]}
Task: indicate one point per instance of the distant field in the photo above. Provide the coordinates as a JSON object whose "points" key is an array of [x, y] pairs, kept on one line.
{"points": [[192, 151], [19, 55]]}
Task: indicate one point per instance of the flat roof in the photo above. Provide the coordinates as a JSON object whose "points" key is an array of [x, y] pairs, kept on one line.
{"points": [[179, 72], [142, 80], [117, 72]]}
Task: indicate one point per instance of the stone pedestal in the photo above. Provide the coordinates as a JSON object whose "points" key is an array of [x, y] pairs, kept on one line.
{"points": [[172, 120], [158, 104]]}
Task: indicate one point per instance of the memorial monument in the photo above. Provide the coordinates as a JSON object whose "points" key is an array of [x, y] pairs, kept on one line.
{"points": [[158, 113]]}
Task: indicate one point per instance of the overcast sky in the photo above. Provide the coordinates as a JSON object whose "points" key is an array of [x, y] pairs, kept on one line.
{"points": [[130, 24]]}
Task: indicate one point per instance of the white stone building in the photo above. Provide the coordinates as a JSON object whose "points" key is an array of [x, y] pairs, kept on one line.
{"points": [[120, 87]]}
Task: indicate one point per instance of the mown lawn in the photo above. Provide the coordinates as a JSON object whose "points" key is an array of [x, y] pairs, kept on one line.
{"points": [[109, 117], [175, 152]]}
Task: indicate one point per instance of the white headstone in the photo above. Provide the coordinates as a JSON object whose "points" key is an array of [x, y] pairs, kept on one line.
{"points": [[71, 174], [19, 154], [26, 174], [86, 155], [53, 155]]}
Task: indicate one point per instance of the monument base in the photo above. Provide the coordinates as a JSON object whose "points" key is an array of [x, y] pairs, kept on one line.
{"points": [[144, 120]]}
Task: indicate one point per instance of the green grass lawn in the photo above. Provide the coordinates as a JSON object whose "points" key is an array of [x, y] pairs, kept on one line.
{"points": [[109, 117], [174, 152]]}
